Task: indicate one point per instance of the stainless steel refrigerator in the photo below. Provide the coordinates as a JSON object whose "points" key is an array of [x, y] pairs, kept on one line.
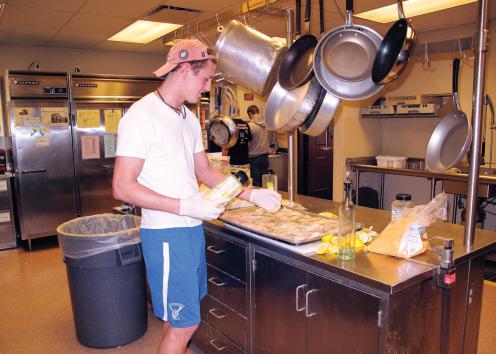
{"points": [[98, 102], [38, 116]]}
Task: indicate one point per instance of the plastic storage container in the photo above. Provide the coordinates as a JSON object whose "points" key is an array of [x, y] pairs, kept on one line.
{"points": [[269, 180], [403, 201], [106, 276], [229, 188], [391, 161]]}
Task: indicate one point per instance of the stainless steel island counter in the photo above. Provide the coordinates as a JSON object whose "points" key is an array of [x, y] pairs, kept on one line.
{"points": [[266, 297]]}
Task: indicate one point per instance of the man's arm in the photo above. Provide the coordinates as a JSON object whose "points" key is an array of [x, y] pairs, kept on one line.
{"points": [[210, 176], [125, 187]]}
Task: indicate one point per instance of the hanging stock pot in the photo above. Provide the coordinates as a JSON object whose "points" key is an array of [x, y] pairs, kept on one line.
{"points": [[248, 57]]}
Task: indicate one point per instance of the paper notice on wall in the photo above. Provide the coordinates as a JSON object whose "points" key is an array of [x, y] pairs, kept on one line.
{"points": [[90, 147], [88, 118], [4, 217], [109, 145], [42, 141], [3, 186], [58, 116], [112, 118]]}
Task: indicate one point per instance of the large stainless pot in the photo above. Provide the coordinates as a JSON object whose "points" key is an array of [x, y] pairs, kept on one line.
{"points": [[249, 57]]}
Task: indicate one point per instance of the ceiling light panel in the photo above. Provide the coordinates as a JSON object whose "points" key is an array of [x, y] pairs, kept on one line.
{"points": [[411, 8], [143, 32]]}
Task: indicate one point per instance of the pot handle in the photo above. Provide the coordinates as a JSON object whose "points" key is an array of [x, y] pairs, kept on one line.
{"points": [[401, 13], [298, 17], [349, 13], [456, 69], [321, 15], [308, 10]]}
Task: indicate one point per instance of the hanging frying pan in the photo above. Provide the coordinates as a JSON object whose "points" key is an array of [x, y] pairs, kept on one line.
{"points": [[344, 57], [395, 51], [452, 136], [297, 64], [223, 131], [288, 109]]}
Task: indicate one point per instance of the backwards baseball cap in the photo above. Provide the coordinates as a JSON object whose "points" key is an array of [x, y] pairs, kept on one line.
{"points": [[182, 52]]}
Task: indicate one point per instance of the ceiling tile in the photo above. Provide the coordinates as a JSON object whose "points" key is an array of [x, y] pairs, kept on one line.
{"points": [[66, 5], [89, 29], [33, 22], [120, 46], [120, 8], [208, 6]]}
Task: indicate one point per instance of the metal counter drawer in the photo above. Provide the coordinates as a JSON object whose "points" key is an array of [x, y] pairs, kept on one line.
{"points": [[210, 341], [227, 290], [225, 320], [226, 256]]}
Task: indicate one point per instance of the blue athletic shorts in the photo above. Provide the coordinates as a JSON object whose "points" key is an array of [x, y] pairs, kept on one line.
{"points": [[176, 272]]}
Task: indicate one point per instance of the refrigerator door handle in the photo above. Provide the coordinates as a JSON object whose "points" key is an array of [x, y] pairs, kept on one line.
{"points": [[110, 167], [24, 172]]}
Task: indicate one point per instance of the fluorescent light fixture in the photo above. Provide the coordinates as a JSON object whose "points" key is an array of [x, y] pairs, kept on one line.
{"points": [[411, 8], [143, 32]]}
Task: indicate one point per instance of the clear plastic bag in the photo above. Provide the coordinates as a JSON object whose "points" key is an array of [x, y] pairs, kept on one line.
{"points": [[90, 235], [406, 236]]}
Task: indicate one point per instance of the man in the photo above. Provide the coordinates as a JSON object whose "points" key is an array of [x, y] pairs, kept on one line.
{"points": [[258, 147], [238, 154], [160, 160]]}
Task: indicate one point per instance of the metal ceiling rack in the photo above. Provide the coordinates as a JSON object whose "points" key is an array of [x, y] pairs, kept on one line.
{"points": [[260, 7], [447, 46]]}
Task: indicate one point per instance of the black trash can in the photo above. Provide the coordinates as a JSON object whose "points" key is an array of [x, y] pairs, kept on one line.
{"points": [[106, 275]]}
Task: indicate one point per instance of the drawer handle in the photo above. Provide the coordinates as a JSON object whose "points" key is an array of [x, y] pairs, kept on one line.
{"points": [[307, 304], [298, 308], [218, 347], [216, 281], [212, 312], [215, 250]]}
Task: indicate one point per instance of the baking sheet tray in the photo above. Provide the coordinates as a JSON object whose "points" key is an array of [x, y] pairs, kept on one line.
{"points": [[291, 226]]}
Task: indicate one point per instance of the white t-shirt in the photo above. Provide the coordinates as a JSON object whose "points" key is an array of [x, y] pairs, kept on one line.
{"points": [[152, 131]]}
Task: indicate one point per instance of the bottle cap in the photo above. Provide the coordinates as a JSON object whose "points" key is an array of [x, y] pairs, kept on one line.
{"points": [[269, 172], [241, 177], [403, 196]]}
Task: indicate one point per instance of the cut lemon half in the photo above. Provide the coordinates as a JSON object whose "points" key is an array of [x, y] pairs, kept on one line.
{"points": [[322, 248]]}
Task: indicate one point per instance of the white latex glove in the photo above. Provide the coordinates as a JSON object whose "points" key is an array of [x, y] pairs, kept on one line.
{"points": [[266, 198], [199, 208]]}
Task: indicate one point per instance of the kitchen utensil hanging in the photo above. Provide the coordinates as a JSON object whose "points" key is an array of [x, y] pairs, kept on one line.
{"points": [[320, 118], [249, 57], [344, 57], [223, 131], [297, 64], [288, 109], [452, 136], [395, 50]]}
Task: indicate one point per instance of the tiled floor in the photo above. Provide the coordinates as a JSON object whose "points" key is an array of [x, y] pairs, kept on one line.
{"points": [[36, 315]]}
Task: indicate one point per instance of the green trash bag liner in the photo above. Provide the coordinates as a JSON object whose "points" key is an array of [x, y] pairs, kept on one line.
{"points": [[90, 235]]}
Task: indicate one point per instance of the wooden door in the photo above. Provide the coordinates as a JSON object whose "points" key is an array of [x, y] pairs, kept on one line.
{"points": [[315, 165]]}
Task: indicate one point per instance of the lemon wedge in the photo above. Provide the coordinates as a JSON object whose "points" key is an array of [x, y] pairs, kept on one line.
{"points": [[322, 248]]}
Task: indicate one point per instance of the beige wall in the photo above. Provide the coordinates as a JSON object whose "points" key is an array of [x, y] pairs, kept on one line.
{"points": [[89, 61]]}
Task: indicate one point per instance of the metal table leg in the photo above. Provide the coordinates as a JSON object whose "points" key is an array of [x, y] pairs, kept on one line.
{"points": [[455, 208], [381, 199], [433, 187], [357, 184]]}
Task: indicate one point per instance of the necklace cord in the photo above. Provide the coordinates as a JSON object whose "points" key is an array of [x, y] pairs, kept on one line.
{"points": [[181, 112]]}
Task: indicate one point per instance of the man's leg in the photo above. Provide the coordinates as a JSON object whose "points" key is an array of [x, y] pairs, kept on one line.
{"points": [[176, 340]]}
